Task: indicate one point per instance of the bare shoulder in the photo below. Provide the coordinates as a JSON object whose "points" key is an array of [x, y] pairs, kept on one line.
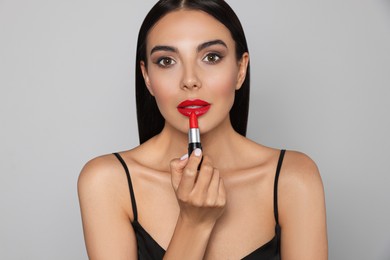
{"points": [[299, 179], [300, 169], [105, 209], [103, 180], [301, 205], [98, 172]]}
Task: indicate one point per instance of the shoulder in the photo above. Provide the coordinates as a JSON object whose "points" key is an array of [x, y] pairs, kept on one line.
{"points": [[102, 181], [301, 206], [98, 171], [300, 185], [299, 168], [106, 209]]}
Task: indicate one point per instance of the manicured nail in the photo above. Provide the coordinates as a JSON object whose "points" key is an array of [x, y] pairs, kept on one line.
{"points": [[198, 152], [184, 157]]}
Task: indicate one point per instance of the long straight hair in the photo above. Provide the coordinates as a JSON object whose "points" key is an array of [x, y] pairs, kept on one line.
{"points": [[150, 120]]}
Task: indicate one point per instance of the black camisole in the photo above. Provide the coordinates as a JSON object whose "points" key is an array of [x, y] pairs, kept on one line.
{"points": [[149, 249]]}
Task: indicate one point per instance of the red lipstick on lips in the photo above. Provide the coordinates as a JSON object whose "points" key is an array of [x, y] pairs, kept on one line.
{"points": [[197, 106]]}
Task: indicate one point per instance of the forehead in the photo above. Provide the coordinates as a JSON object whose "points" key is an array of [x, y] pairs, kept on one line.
{"points": [[188, 25]]}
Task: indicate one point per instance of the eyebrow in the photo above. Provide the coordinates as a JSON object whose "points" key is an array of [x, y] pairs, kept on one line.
{"points": [[162, 48], [211, 43], [199, 48]]}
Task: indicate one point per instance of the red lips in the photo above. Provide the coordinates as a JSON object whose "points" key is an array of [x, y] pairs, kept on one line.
{"points": [[197, 106]]}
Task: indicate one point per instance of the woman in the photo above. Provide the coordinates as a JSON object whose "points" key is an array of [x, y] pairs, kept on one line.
{"points": [[235, 199]]}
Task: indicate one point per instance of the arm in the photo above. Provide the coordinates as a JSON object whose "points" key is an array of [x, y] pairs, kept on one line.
{"points": [[107, 229], [302, 210], [201, 197]]}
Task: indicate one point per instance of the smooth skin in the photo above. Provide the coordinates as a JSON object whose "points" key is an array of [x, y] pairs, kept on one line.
{"points": [[223, 211]]}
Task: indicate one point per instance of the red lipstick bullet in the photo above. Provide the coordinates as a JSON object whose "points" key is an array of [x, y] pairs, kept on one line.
{"points": [[193, 134]]}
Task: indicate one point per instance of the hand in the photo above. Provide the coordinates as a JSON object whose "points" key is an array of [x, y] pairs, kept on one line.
{"points": [[201, 194]]}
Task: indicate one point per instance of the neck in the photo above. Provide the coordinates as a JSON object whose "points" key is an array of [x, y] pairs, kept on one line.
{"points": [[220, 145]]}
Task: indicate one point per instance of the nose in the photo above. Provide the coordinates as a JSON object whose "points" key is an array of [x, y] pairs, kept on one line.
{"points": [[190, 78]]}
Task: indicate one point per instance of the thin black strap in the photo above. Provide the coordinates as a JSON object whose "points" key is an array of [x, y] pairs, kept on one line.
{"points": [[132, 197], [281, 156]]}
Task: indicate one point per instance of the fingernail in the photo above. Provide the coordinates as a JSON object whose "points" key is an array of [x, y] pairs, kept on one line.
{"points": [[198, 152], [184, 157]]}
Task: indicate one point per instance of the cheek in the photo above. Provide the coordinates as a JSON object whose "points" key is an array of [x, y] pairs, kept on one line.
{"points": [[163, 95], [164, 89], [224, 84], [161, 80]]}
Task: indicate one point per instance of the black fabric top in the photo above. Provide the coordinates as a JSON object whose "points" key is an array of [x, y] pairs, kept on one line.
{"points": [[149, 249]]}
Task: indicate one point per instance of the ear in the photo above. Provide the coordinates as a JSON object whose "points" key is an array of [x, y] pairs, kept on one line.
{"points": [[146, 77], [242, 68]]}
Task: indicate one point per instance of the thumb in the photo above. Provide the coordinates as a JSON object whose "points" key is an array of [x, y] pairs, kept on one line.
{"points": [[177, 166]]}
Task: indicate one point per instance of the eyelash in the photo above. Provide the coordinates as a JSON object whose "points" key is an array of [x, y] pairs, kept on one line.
{"points": [[214, 55], [162, 59]]}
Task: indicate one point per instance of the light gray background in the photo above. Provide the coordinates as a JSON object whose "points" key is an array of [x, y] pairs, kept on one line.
{"points": [[320, 84]]}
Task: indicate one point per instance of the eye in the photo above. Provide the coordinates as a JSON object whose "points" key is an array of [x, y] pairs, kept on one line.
{"points": [[165, 62], [212, 58]]}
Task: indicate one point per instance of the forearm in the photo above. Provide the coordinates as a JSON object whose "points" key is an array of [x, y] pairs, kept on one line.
{"points": [[189, 241], [202, 198]]}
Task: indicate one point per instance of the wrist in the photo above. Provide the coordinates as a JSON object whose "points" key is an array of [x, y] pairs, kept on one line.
{"points": [[197, 225], [189, 240]]}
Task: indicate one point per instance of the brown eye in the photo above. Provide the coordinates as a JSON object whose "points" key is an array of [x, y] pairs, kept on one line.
{"points": [[212, 58], [165, 62]]}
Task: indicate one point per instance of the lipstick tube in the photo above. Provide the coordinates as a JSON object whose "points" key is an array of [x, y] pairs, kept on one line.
{"points": [[193, 134]]}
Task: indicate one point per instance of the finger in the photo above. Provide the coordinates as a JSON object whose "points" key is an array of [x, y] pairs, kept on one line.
{"points": [[204, 176], [195, 159], [177, 166], [190, 172]]}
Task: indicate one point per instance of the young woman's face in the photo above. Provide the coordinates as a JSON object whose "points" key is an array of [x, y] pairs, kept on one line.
{"points": [[191, 56]]}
